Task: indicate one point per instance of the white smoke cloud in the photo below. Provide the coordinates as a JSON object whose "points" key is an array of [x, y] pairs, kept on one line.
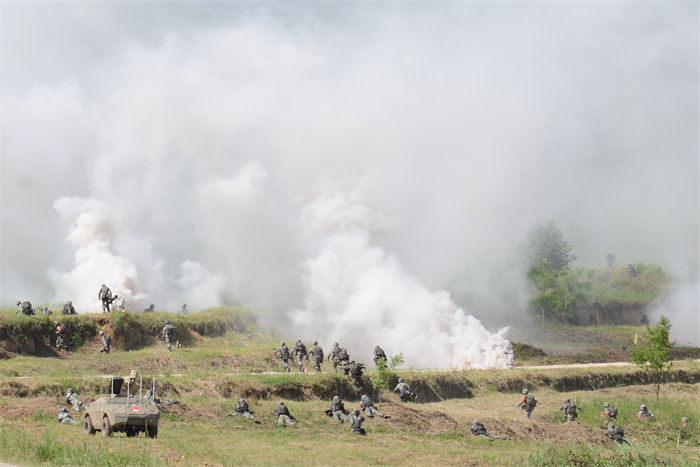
{"points": [[415, 144]]}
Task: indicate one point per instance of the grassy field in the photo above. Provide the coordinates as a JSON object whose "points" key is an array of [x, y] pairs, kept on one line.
{"points": [[207, 383]]}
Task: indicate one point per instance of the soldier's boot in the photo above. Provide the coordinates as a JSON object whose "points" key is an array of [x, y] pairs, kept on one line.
{"points": [[170, 347], [527, 414]]}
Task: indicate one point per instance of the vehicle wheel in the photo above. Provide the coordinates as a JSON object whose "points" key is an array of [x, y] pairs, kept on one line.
{"points": [[89, 428], [106, 427], [152, 431]]}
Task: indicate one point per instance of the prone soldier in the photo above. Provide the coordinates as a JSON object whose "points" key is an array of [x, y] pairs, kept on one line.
{"points": [[616, 434], [368, 407], [283, 416], [64, 417], [479, 429], [644, 413], [243, 409]]}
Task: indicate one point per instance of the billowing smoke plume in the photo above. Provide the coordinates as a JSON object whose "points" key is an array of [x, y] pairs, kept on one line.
{"points": [[337, 167]]}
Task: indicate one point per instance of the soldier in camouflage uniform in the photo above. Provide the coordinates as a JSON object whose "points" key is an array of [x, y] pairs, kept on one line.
{"points": [[355, 371], [106, 343], [105, 296], [610, 412], [379, 354], [46, 311], [169, 334], [368, 407], [355, 421], [343, 357], [299, 351], [570, 410], [283, 416], [645, 414], [316, 353], [337, 410], [150, 309], [72, 399], [65, 418], [243, 409], [283, 354], [616, 434], [333, 355], [68, 309], [479, 429], [404, 391], [25, 308], [527, 403], [60, 335]]}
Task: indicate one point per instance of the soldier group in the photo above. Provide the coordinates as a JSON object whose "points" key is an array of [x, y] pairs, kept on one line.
{"points": [[73, 401]]}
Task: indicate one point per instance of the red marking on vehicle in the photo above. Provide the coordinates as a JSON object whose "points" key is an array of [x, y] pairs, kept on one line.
{"points": [[135, 409]]}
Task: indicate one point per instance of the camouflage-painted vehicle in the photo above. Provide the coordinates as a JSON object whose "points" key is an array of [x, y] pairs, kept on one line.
{"points": [[123, 411]]}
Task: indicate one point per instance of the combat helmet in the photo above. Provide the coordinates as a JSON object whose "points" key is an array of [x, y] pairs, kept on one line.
{"points": [[315, 342], [336, 399], [607, 404], [400, 380], [356, 412], [642, 407], [167, 321], [102, 333], [525, 391]]}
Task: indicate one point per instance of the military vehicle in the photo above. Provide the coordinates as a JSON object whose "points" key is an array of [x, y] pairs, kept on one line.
{"points": [[123, 411]]}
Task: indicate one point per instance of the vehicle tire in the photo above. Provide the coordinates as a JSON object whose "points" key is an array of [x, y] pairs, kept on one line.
{"points": [[152, 431], [89, 427], [106, 427]]}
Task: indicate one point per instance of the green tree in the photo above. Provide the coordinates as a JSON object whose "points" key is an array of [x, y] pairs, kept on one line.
{"points": [[547, 245], [382, 378], [654, 354]]}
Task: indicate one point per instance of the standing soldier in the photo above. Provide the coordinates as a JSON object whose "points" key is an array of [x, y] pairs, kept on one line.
{"points": [[25, 308], [169, 334], [616, 434], [527, 403], [284, 418], [610, 412], [368, 407], [570, 410], [72, 399], [337, 410], [68, 308], [316, 353], [60, 335], [105, 295], [355, 420], [299, 351], [106, 342], [404, 391], [343, 357], [355, 371], [283, 353], [379, 354], [333, 355], [184, 308]]}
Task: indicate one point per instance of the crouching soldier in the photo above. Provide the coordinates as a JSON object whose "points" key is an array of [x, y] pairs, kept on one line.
{"points": [[527, 403], [404, 391], [64, 417], [337, 410], [479, 429], [243, 409], [284, 418], [368, 407], [645, 414], [106, 342], [610, 412], [355, 420], [72, 399], [616, 434]]}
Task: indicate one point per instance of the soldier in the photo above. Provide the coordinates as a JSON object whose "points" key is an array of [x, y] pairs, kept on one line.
{"points": [[106, 342], [527, 403], [64, 417], [284, 418], [317, 353], [379, 354], [243, 409], [343, 357], [616, 434], [355, 420], [72, 399], [25, 308], [685, 422], [337, 410], [151, 308], [479, 429], [169, 334], [570, 410], [355, 371], [283, 353], [105, 296], [299, 351], [610, 412], [644, 413], [68, 308], [184, 308], [404, 391], [151, 398], [368, 407], [632, 272], [60, 335], [333, 355], [46, 311]]}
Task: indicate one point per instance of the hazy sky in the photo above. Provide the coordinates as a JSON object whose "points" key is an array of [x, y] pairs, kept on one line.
{"points": [[176, 151]]}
